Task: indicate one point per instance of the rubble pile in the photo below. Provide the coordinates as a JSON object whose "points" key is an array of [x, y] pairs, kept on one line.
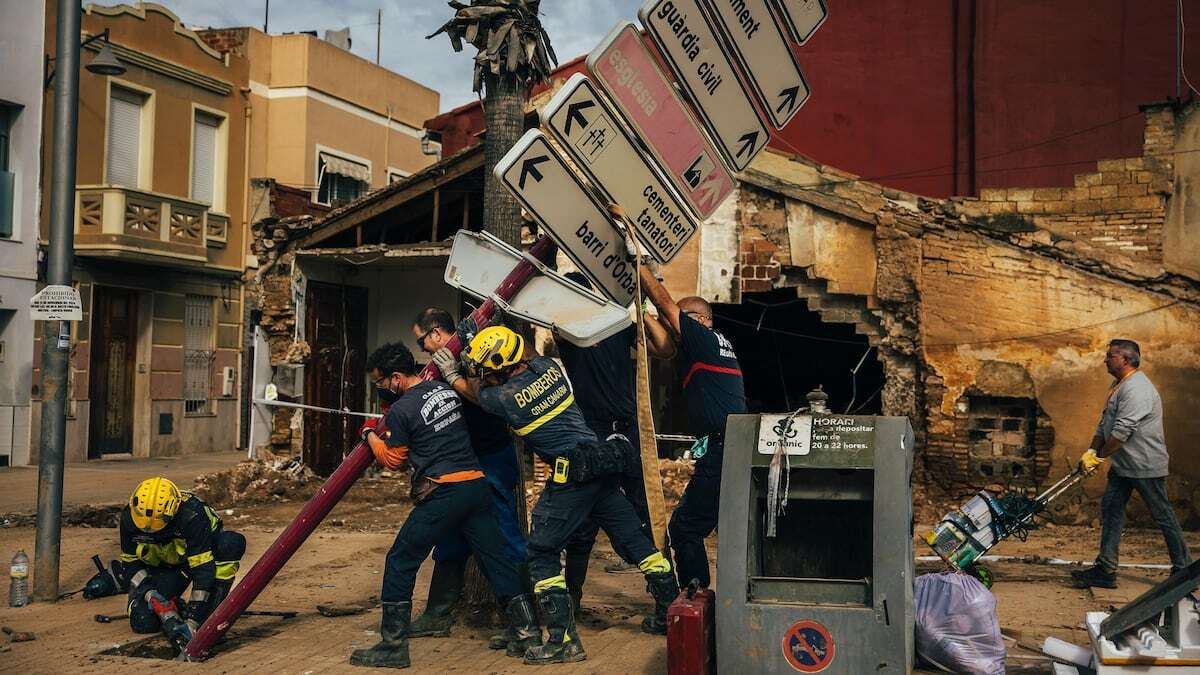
{"points": [[256, 482]]}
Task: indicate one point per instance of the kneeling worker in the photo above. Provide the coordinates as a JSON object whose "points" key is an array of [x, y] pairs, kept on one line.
{"points": [[536, 399], [169, 539], [425, 428]]}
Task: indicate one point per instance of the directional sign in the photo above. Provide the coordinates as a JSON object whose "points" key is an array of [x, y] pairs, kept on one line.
{"points": [[579, 119], [802, 17], [539, 178], [689, 43], [479, 262], [624, 68], [762, 50]]}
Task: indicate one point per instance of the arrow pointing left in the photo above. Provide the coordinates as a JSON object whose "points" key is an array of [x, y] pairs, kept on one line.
{"points": [[529, 168]]}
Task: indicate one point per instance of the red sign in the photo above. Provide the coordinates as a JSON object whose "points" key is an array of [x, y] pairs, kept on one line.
{"points": [[647, 101], [808, 647]]}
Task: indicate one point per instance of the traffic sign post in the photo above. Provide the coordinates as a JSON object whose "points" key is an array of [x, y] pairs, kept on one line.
{"points": [[540, 179], [802, 18], [582, 123], [56, 303], [688, 41], [761, 48], [623, 66]]}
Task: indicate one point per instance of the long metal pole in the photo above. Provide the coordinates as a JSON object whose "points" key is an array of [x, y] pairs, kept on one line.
{"points": [[56, 336], [315, 510]]}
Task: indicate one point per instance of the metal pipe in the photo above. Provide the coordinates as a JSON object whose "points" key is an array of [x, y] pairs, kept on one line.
{"points": [[56, 338], [315, 510]]}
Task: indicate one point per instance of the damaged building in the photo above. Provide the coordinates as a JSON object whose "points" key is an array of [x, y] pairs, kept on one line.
{"points": [[982, 319]]}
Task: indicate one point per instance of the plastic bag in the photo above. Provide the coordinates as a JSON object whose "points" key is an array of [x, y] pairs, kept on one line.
{"points": [[956, 624]]}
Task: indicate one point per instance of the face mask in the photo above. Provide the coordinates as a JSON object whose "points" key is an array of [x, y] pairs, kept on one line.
{"points": [[386, 396]]}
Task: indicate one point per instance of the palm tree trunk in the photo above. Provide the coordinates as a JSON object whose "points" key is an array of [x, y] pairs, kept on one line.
{"points": [[504, 114]]}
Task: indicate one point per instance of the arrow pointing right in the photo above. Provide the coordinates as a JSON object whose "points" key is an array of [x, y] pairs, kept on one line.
{"points": [[529, 168], [789, 98], [575, 114]]}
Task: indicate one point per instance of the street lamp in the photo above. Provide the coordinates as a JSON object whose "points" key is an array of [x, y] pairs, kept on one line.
{"points": [[105, 63], [56, 339]]}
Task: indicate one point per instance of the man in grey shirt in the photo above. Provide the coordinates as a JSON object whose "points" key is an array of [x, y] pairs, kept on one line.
{"points": [[1131, 433]]}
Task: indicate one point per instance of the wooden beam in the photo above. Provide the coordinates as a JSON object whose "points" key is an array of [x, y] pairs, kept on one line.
{"points": [[437, 207], [466, 212], [418, 184], [358, 235]]}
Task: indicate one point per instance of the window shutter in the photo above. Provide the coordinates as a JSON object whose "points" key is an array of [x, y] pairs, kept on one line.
{"points": [[124, 137], [204, 157], [197, 352]]}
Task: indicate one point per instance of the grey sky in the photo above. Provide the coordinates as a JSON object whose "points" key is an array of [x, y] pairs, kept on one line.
{"points": [[575, 26]]}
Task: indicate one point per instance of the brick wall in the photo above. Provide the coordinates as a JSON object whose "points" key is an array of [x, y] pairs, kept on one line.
{"points": [[225, 39], [1120, 206]]}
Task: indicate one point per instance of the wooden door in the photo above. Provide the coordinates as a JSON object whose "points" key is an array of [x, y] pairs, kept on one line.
{"points": [[336, 330], [110, 385]]}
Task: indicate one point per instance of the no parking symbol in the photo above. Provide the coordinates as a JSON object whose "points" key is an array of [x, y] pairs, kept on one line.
{"points": [[808, 647]]}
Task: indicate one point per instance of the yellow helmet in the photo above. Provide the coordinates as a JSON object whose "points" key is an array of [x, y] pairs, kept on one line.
{"points": [[494, 348], [154, 503]]}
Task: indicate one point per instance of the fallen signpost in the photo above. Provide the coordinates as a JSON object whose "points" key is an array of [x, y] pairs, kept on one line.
{"points": [[319, 506]]}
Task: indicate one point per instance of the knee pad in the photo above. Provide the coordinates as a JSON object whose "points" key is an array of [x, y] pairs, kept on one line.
{"points": [[142, 619]]}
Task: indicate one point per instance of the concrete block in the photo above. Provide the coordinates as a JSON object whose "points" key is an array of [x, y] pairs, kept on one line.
{"points": [[1147, 202], [1133, 190], [1102, 191], [1083, 180], [1111, 165], [1114, 177], [1134, 163], [993, 195], [1048, 194], [1020, 194]]}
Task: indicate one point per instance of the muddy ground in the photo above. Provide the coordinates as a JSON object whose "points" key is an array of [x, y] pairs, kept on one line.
{"points": [[341, 564]]}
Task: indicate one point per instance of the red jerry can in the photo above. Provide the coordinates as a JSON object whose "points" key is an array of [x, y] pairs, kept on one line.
{"points": [[691, 633]]}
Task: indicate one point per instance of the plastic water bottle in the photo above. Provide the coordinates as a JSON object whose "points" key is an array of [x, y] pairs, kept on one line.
{"points": [[18, 580]]}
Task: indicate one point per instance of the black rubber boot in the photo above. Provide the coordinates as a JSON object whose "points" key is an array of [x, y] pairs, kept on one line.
{"points": [[663, 587], [523, 628], [392, 650], [445, 588], [575, 571], [563, 644]]}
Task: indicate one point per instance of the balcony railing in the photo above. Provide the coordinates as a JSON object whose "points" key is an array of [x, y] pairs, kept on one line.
{"points": [[110, 219]]}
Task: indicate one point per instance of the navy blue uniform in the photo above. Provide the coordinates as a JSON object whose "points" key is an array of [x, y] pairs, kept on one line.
{"points": [[539, 404], [428, 420], [712, 385], [605, 381]]}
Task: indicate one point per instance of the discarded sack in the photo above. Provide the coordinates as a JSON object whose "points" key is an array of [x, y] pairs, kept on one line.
{"points": [[956, 624]]}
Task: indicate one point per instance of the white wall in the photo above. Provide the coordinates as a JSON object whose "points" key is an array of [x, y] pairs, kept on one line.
{"points": [[22, 27]]}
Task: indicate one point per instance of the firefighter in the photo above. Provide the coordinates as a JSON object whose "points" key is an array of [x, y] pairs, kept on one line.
{"points": [[713, 388], [424, 427], [603, 377], [433, 328], [536, 399], [169, 538]]}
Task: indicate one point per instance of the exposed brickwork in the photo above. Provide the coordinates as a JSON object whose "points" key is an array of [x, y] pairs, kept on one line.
{"points": [[226, 39]]}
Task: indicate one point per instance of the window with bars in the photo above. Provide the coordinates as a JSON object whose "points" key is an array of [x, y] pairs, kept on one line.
{"points": [[204, 157], [197, 353], [124, 136]]}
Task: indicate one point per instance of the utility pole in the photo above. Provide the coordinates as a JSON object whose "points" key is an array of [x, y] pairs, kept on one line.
{"points": [[267, 17], [378, 33], [56, 336]]}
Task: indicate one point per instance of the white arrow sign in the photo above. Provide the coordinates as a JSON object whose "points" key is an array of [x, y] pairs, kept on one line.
{"points": [[802, 17], [580, 120], [689, 43], [539, 178], [762, 50]]}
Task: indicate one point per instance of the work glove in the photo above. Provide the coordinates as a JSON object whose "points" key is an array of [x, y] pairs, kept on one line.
{"points": [[1089, 461], [447, 362], [369, 425]]}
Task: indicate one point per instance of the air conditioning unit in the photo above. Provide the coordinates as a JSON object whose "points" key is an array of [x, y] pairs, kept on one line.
{"points": [[228, 380]]}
